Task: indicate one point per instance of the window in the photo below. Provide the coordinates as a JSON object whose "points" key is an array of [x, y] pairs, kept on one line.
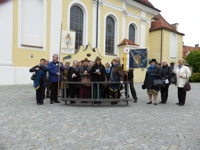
{"points": [[173, 46], [110, 35], [76, 24], [32, 23], [132, 33], [172, 65]]}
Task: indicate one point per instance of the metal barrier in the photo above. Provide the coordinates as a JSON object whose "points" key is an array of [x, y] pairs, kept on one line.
{"points": [[98, 99]]}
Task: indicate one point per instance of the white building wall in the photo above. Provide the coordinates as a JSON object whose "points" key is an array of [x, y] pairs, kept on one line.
{"points": [[6, 36]]}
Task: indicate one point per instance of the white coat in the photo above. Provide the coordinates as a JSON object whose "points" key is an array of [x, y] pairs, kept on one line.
{"points": [[184, 71]]}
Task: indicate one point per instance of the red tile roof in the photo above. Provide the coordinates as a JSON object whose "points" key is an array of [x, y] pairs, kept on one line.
{"points": [[187, 49], [161, 23], [127, 41], [147, 3]]}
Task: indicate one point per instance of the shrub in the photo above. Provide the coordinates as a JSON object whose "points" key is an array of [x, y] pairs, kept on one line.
{"points": [[195, 77]]}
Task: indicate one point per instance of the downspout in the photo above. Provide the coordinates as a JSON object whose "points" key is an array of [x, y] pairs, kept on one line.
{"points": [[97, 24], [161, 46]]}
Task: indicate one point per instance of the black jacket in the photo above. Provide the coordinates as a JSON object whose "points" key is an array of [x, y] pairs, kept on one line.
{"points": [[156, 73], [70, 72], [95, 76], [43, 78], [166, 73]]}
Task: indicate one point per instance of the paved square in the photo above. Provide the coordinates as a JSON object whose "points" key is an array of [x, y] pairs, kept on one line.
{"points": [[25, 125]]}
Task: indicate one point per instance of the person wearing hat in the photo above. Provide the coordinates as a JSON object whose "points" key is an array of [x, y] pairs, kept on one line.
{"points": [[116, 75], [65, 78], [153, 72], [97, 75], [85, 89]]}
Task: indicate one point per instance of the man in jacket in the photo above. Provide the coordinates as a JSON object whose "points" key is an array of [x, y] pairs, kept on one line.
{"points": [[130, 76], [98, 75], [55, 74]]}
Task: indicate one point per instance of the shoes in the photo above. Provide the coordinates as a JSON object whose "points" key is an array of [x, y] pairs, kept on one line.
{"points": [[155, 103], [181, 104], [135, 100], [161, 102], [40, 103], [164, 102], [57, 101], [149, 103], [177, 103], [51, 102], [113, 103], [72, 102]]}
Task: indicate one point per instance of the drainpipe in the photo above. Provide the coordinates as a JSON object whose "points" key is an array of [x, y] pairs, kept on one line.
{"points": [[161, 46], [97, 24]]}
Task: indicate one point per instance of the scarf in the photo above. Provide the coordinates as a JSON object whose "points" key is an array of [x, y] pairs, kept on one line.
{"points": [[108, 71], [36, 83], [151, 67]]}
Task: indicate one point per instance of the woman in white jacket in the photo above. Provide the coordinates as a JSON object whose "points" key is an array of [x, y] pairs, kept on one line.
{"points": [[182, 73]]}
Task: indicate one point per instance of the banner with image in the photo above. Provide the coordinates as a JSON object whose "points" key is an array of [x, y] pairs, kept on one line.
{"points": [[138, 58], [68, 42]]}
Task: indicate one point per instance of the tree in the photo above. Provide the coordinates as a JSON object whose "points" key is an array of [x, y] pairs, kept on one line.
{"points": [[193, 59]]}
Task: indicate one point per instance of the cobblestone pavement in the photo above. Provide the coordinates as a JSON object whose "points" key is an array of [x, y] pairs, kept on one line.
{"points": [[25, 125]]}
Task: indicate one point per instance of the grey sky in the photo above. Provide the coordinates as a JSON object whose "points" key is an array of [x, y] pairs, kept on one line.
{"points": [[184, 12]]}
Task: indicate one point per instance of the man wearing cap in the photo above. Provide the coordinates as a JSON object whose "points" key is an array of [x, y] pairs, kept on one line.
{"points": [[97, 75]]}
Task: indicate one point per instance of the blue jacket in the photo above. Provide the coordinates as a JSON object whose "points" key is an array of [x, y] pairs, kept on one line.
{"points": [[53, 70]]}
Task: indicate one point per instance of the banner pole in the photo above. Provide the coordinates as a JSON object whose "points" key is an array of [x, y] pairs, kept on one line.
{"points": [[59, 61]]}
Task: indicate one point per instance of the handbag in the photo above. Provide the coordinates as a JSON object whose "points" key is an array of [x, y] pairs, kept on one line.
{"points": [[158, 83], [84, 81], [173, 79], [187, 86], [33, 76]]}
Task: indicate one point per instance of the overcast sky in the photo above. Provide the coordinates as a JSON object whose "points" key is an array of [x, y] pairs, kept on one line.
{"points": [[184, 12]]}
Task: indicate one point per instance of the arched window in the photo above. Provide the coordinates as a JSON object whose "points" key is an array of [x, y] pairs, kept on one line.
{"points": [[76, 24], [173, 46], [110, 35], [131, 33]]}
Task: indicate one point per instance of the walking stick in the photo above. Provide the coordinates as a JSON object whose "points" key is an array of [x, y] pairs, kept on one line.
{"points": [[59, 61]]}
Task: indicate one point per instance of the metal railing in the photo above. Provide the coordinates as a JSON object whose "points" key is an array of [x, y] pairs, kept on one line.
{"points": [[98, 98]]}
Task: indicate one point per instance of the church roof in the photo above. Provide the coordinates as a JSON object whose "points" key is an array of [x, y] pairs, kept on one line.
{"points": [[127, 41], [187, 49], [161, 23], [147, 3]]}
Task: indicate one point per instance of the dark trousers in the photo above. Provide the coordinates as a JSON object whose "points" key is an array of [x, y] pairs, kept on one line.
{"points": [[132, 88], [164, 93], [73, 91], [67, 92], [40, 94], [181, 95], [54, 91], [95, 91]]}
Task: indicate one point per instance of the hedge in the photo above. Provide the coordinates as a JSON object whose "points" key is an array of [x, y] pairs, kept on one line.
{"points": [[195, 77]]}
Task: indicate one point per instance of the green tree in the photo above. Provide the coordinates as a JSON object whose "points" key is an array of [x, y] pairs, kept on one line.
{"points": [[193, 59]]}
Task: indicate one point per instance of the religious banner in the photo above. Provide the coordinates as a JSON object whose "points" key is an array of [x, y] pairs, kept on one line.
{"points": [[138, 58], [68, 42]]}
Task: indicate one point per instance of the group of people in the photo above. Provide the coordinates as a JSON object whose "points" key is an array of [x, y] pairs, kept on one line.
{"points": [[165, 73], [52, 74]]}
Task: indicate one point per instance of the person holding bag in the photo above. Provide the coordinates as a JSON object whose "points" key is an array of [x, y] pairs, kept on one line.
{"points": [[152, 74], [166, 74], [182, 73]]}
